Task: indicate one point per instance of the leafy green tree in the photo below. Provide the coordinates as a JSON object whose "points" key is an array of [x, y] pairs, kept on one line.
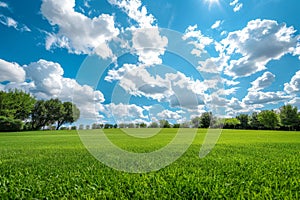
{"points": [[9, 124], [231, 123], [205, 119], [176, 126], [254, 122], [143, 125], [243, 118], [39, 115], [289, 116], [269, 119], [53, 111], [68, 113], [16, 104], [163, 123], [153, 125]]}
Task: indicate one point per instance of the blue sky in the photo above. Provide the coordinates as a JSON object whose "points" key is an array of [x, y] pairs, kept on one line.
{"points": [[141, 61]]}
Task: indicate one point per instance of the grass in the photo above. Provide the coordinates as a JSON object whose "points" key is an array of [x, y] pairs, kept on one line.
{"points": [[243, 165]]}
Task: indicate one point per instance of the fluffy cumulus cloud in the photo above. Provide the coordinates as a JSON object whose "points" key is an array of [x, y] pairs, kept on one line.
{"points": [[259, 97], [258, 43], [136, 12], [147, 42], [78, 33], [262, 82], [295, 102], [175, 88], [168, 114], [11, 72], [197, 39], [293, 87], [45, 80], [124, 113], [137, 81], [149, 45]]}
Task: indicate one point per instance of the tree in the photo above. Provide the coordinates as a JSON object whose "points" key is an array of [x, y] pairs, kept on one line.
{"points": [[205, 119], [53, 111], [69, 113], [16, 104], [231, 123], [153, 125], [38, 115], [268, 118], [289, 116], [254, 122], [196, 121], [143, 125], [163, 123], [176, 126], [243, 118]]}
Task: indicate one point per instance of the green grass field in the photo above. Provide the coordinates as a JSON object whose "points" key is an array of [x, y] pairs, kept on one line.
{"points": [[243, 165]]}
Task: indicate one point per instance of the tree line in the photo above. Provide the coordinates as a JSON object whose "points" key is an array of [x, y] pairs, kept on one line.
{"points": [[286, 118], [21, 111]]}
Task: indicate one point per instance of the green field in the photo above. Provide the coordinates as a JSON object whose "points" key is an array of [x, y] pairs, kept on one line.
{"points": [[243, 165]]}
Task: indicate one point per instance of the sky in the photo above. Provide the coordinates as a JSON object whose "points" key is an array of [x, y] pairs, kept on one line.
{"points": [[124, 61]]}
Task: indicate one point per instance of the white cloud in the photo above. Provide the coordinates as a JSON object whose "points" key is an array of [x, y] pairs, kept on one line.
{"points": [[216, 24], [175, 88], [293, 87], [295, 102], [230, 82], [149, 45], [236, 5], [3, 4], [147, 42], [124, 113], [137, 81], [197, 39], [262, 82], [135, 11], [10, 22], [11, 72], [78, 33], [45, 80], [258, 43], [258, 97], [211, 65], [168, 114]]}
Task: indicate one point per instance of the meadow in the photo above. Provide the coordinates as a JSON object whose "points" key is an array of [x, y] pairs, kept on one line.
{"points": [[243, 165]]}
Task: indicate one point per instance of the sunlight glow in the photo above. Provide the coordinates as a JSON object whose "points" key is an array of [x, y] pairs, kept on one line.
{"points": [[212, 2]]}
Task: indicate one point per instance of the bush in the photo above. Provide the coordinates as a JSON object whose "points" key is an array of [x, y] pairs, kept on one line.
{"points": [[9, 124]]}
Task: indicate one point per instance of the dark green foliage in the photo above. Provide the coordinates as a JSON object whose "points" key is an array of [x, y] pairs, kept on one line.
{"points": [[16, 104], [9, 124], [53, 111], [243, 118], [269, 119], [205, 119], [176, 126], [289, 116], [254, 122], [163, 123]]}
